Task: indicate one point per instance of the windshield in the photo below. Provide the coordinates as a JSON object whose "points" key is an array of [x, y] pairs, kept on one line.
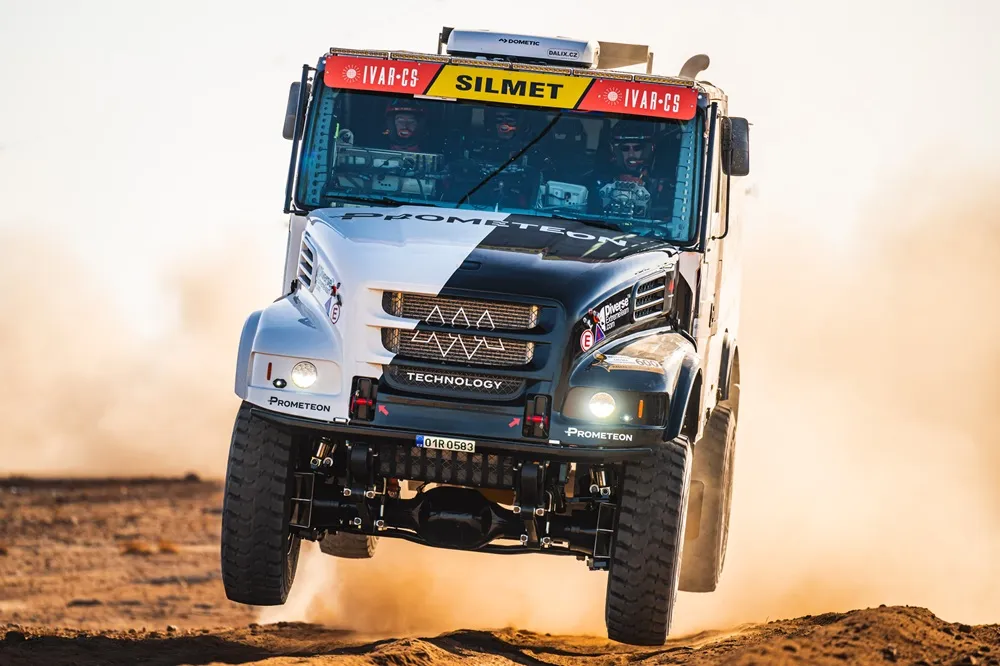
{"points": [[630, 173]]}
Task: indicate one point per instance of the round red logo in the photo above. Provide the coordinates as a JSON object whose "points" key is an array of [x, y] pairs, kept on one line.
{"points": [[334, 313], [586, 340]]}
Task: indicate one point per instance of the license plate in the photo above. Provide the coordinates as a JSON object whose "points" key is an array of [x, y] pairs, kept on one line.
{"points": [[446, 443]]}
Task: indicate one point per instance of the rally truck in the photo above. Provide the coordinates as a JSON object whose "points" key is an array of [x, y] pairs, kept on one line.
{"points": [[507, 321]]}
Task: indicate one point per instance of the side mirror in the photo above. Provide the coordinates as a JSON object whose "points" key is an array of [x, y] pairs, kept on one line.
{"points": [[735, 146], [291, 110]]}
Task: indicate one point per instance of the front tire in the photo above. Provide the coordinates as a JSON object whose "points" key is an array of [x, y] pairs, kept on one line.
{"points": [[259, 553], [646, 556]]}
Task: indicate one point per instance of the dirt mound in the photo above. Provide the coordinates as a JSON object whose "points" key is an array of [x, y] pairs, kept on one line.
{"points": [[119, 571], [898, 634]]}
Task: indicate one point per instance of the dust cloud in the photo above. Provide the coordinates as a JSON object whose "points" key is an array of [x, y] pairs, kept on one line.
{"points": [[84, 394], [869, 448]]}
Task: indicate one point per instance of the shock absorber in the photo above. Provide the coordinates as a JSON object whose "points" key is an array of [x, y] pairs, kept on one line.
{"points": [[323, 455], [599, 482]]}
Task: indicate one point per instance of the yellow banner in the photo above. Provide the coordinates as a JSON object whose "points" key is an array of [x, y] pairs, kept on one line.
{"points": [[491, 85]]}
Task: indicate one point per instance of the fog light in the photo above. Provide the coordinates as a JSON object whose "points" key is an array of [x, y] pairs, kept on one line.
{"points": [[304, 374], [602, 405]]}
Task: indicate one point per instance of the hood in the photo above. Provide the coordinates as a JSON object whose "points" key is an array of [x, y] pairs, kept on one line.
{"points": [[439, 249]]}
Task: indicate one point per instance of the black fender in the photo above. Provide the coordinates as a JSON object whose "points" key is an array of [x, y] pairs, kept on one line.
{"points": [[729, 355], [680, 379], [684, 414]]}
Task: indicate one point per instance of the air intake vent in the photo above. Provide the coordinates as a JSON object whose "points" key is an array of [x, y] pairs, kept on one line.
{"points": [[307, 261], [651, 297]]}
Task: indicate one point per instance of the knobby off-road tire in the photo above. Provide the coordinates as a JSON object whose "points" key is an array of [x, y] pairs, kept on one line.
{"points": [[708, 523], [350, 546], [259, 555], [646, 556]]}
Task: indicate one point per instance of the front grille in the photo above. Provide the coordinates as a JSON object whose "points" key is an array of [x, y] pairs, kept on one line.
{"points": [[482, 470], [461, 312], [448, 382], [458, 348]]}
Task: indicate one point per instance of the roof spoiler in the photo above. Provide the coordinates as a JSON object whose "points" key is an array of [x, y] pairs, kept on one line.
{"points": [[615, 54]]}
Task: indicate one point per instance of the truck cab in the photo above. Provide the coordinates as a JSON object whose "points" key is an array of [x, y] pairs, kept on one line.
{"points": [[508, 320]]}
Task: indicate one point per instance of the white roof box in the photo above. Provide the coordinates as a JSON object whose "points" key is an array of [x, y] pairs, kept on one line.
{"points": [[523, 48]]}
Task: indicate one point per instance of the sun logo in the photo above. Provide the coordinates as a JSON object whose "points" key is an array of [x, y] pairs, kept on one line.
{"points": [[350, 73], [612, 96]]}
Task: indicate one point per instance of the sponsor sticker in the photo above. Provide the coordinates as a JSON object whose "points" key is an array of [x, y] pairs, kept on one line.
{"points": [[508, 86], [334, 302], [438, 379], [603, 319], [275, 401], [622, 240], [522, 42], [358, 73], [644, 99], [621, 362], [598, 434], [659, 100]]}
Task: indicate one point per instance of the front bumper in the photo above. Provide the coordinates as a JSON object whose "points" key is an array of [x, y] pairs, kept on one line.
{"points": [[539, 450]]}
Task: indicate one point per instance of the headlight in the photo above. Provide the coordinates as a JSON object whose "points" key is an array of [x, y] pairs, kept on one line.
{"points": [[602, 405], [304, 374]]}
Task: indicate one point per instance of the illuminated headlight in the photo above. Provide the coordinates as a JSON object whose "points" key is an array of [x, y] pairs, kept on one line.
{"points": [[602, 405], [304, 374]]}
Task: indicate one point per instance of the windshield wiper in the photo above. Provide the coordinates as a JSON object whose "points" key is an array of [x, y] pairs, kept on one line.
{"points": [[515, 157], [374, 201], [587, 221]]}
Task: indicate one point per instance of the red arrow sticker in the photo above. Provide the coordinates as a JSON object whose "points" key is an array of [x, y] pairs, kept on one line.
{"points": [[383, 410], [515, 422]]}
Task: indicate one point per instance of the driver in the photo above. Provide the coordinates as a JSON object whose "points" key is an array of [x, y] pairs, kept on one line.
{"points": [[624, 189], [505, 131], [405, 125], [632, 147]]}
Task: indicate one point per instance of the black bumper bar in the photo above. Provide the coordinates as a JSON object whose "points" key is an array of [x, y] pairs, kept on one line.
{"points": [[542, 450]]}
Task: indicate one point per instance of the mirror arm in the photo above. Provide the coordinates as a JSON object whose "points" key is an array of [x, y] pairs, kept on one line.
{"points": [[728, 181], [299, 123]]}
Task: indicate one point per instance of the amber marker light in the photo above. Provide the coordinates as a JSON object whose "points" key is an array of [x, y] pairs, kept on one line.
{"points": [[640, 409]]}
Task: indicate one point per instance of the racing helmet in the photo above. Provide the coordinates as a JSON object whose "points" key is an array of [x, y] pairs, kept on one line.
{"points": [[632, 145], [404, 120]]}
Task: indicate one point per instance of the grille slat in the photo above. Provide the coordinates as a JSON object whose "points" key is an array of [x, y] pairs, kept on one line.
{"points": [[649, 298], [307, 261], [461, 312], [458, 348]]}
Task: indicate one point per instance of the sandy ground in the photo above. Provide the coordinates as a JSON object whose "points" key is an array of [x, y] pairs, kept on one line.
{"points": [[126, 571]]}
